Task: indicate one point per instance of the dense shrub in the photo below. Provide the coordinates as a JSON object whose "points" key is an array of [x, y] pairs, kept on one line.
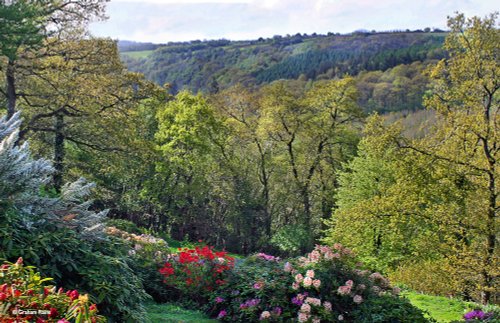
{"points": [[25, 297], [147, 254], [326, 286], [196, 273], [388, 309], [256, 285], [100, 269]]}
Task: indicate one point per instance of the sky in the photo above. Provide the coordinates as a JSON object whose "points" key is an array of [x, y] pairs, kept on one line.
{"points": [[162, 21]]}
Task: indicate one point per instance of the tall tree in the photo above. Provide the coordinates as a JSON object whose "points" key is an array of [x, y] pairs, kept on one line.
{"points": [[466, 97], [26, 25]]}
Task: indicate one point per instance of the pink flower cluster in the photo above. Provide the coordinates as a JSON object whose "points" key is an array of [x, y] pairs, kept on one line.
{"points": [[267, 257], [307, 281], [321, 252]]}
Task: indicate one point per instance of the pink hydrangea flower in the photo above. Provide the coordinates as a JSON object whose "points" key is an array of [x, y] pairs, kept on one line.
{"points": [[299, 278], [288, 267], [316, 283], [349, 283], [303, 317], [307, 282], [313, 301], [305, 308], [358, 299], [327, 305], [344, 290], [310, 273]]}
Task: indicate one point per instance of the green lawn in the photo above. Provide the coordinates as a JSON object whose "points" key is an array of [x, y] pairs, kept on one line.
{"points": [[173, 313], [442, 309], [138, 54]]}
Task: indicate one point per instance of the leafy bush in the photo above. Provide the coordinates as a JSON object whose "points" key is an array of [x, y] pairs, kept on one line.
{"points": [[387, 309], [24, 297], [291, 239], [257, 285], [196, 273], [323, 286], [148, 254]]}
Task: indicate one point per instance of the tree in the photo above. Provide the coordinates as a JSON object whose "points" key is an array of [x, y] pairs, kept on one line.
{"points": [[438, 192], [26, 25], [465, 95], [314, 132]]}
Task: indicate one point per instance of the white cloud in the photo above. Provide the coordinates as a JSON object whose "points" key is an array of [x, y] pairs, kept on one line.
{"points": [[173, 20], [184, 1]]}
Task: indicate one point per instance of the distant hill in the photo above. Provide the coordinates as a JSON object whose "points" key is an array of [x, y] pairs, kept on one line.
{"points": [[216, 64]]}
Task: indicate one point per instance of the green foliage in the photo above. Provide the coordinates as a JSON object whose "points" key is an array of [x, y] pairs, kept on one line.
{"points": [[195, 66], [22, 25], [429, 201], [389, 309], [290, 239]]}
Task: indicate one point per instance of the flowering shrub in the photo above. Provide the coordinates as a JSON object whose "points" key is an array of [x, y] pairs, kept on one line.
{"points": [[24, 298], [257, 290], [329, 286], [197, 272], [144, 245]]}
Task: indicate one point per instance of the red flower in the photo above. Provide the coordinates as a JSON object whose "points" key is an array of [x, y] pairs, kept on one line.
{"points": [[3, 296], [93, 307], [53, 312], [73, 294]]}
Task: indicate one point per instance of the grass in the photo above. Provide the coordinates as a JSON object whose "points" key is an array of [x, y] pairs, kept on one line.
{"points": [[138, 54], [442, 309], [173, 313]]}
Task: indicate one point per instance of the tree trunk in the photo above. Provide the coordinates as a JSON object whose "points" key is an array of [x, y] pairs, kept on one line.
{"points": [[11, 88], [491, 238], [59, 152]]}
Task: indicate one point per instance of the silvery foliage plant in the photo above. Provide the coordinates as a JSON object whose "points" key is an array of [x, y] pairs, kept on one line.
{"points": [[22, 179]]}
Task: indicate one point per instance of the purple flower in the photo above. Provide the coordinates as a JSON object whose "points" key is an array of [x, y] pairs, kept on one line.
{"points": [[219, 299], [222, 314], [250, 303], [277, 311], [475, 314], [297, 301]]}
